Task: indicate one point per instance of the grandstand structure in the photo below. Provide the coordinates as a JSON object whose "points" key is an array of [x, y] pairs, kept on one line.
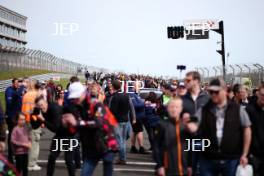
{"points": [[15, 55]]}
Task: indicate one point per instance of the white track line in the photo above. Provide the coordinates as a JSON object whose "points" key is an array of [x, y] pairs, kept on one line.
{"points": [[129, 163], [141, 163], [134, 170]]}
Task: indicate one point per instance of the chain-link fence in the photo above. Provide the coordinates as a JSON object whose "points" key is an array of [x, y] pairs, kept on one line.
{"points": [[16, 58], [236, 73]]}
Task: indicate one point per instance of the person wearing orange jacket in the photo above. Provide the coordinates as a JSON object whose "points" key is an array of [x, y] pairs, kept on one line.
{"points": [[28, 104]]}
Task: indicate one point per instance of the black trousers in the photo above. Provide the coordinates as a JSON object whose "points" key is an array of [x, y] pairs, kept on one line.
{"points": [[10, 123], [77, 154], [68, 157], [22, 164], [258, 165], [150, 132]]}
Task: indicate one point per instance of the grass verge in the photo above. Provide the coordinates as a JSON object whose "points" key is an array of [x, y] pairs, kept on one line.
{"points": [[21, 73]]}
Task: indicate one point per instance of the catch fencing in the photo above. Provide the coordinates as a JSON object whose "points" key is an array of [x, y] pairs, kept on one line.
{"points": [[252, 73], [22, 58]]}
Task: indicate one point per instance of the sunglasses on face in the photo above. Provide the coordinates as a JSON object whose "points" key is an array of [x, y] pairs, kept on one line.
{"points": [[212, 92]]}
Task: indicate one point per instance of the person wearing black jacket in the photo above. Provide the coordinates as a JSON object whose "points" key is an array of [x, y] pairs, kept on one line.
{"points": [[195, 97], [256, 115], [227, 126], [50, 115], [170, 142], [121, 106], [87, 75], [193, 100], [88, 115]]}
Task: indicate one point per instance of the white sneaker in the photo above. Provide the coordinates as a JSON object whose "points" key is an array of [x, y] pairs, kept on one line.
{"points": [[34, 168]]}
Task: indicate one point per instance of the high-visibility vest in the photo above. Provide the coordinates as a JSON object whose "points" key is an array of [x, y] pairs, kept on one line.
{"points": [[28, 104]]}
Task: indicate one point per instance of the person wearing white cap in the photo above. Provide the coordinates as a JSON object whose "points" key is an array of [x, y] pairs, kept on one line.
{"points": [[181, 89], [77, 94], [85, 115], [76, 91]]}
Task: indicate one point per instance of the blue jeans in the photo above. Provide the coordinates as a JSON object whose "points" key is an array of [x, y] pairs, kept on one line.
{"points": [[121, 136], [128, 131], [215, 167], [90, 164]]}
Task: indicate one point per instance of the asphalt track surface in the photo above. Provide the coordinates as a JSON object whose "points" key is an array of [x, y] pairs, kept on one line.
{"points": [[138, 164]]}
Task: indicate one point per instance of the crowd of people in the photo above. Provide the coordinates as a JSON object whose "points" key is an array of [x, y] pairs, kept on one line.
{"points": [[105, 112]]}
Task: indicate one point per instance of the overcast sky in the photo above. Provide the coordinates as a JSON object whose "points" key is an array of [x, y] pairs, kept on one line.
{"points": [[131, 35]]}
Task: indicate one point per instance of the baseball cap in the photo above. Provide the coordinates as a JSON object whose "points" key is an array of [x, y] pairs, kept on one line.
{"points": [[181, 84], [217, 84], [169, 87], [166, 86], [173, 87], [76, 90]]}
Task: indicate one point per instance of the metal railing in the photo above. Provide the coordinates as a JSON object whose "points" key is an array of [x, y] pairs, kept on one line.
{"points": [[234, 73], [13, 58]]}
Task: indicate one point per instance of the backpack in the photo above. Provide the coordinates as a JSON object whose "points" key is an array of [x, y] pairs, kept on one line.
{"points": [[105, 134]]}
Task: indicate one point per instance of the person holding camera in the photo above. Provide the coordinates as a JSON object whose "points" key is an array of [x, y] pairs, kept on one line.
{"points": [[49, 115], [88, 116]]}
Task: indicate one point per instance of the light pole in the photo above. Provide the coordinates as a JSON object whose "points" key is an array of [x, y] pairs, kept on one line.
{"points": [[241, 70], [233, 71], [222, 51], [181, 68]]}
